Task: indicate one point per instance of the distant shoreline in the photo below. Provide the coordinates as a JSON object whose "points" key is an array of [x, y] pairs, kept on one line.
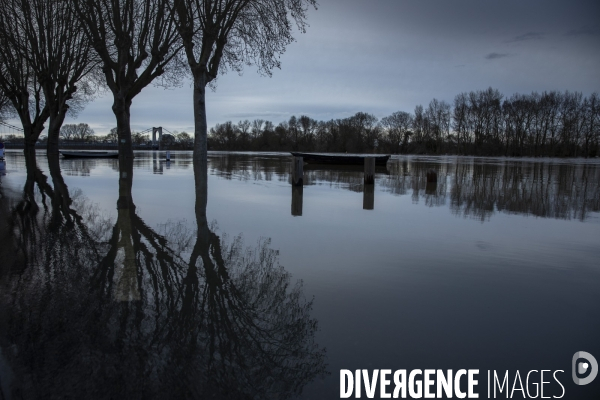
{"points": [[13, 146]]}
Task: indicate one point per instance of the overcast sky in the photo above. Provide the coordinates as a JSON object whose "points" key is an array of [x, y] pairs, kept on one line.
{"points": [[382, 56]]}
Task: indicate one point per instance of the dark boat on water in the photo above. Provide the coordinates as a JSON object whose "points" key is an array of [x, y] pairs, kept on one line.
{"points": [[340, 159], [89, 154]]}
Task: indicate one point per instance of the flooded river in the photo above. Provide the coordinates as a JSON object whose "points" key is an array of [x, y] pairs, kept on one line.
{"points": [[163, 280]]}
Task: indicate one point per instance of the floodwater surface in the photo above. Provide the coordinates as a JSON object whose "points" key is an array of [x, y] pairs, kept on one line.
{"points": [[159, 279]]}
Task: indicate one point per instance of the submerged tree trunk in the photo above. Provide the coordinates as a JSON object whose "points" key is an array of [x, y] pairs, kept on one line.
{"points": [[54, 126], [32, 133], [30, 139]]}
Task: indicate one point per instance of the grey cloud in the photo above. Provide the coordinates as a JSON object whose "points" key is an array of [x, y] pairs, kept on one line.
{"points": [[493, 56], [584, 31], [527, 36]]}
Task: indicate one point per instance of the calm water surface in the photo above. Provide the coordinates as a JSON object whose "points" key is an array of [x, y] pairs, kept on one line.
{"points": [[162, 280]]}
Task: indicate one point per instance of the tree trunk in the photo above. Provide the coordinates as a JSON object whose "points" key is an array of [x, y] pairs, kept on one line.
{"points": [[200, 156], [31, 133], [30, 140], [54, 126], [121, 108], [200, 124]]}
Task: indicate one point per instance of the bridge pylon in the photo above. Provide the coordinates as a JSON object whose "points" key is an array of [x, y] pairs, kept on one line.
{"points": [[159, 131]]}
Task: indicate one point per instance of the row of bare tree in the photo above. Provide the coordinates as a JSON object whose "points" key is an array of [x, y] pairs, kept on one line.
{"points": [[480, 123], [54, 55], [546, 124]]}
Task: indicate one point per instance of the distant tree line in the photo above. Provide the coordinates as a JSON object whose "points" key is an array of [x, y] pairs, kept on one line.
{"points": [[478, 123]]}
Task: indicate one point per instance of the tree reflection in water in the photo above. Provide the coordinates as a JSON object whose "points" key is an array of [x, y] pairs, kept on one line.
{"points": [[479, 189], [127, 312], [470, 187]]}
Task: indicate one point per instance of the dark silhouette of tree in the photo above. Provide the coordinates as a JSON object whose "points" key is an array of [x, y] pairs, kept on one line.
{"points": [[438, 115], [79, 131], [137, 44], [592, 125], [19, 83], [219, 34], [398, 127], [46, 65], [6, 110]]}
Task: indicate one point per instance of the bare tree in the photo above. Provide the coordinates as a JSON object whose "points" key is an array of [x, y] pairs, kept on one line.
{"points": [[592, 124], [18, 81], [364, 130], [225, 135], [67, 132], [460, 122], [6, 109], [49, 56], [398, 127], [257, 128], [419, 124], [136, 41], [140, 138], [76, 132], [308, 126], [294, 132], [184, 139], [244, 133], [230, 34], [438, 113]]}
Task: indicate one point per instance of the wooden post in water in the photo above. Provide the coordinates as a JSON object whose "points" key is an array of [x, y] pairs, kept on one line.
{"points": [[297, 193], [369, 197], [297, 171], [369, 170]]}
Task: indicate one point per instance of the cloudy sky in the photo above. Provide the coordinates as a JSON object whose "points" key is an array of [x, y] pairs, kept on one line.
{"points": [[381, 56]]}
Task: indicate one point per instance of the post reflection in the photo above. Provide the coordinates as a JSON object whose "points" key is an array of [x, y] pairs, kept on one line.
{"points": [[469, 187], [369, 197], [297, 195], [116, 309]]}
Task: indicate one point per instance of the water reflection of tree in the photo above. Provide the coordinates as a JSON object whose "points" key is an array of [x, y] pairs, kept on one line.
{"points": [[562, 191], [44, 222], [480, 189], [473, 187], [407, 176], [246, 294], [213, 319]]}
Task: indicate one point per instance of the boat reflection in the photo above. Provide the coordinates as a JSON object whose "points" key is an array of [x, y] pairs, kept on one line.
{"points": [[93, 307]]}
